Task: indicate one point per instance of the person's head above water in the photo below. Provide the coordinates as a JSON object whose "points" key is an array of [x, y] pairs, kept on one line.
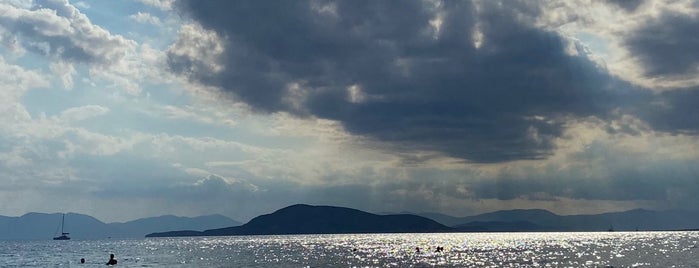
{"points": [[112, 260]]}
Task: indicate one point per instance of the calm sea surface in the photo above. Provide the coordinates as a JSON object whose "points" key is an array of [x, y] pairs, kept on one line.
{"points": [[617, 249]]}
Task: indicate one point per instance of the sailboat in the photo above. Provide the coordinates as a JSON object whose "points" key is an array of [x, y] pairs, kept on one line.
{"points": [[64, 235]]}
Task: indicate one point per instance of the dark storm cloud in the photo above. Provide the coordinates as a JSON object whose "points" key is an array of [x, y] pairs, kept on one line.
{"points": [[486, 87], [673, 111], [667, 45]]}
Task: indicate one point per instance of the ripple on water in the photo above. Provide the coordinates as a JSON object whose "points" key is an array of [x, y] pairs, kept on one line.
{"points": [[619, 249]]}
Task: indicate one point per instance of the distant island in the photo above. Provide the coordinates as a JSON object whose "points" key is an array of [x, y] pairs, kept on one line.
{"points": [[307, 219], [41, 226], [539, 220]]}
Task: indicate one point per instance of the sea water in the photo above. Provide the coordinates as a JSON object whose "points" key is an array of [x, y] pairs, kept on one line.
{"points": [[603, 249]]}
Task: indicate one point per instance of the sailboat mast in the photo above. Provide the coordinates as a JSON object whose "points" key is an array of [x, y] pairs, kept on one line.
{"points": [[64, 235]]}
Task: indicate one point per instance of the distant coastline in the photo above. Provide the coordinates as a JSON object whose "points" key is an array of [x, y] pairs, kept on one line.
{"points": [[42, 226], [306, 219]]}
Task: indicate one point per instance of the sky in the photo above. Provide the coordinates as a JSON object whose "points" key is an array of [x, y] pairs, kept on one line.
{"points": [[138, 108]]}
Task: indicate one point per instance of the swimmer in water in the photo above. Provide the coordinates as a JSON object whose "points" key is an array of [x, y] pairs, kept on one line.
{"points": [[112, 260]]}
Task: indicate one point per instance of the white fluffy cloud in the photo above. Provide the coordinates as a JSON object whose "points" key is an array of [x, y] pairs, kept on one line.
{"points": [[58, 29], [198, 49], [16, 80], [68, 39], [612, 29]]}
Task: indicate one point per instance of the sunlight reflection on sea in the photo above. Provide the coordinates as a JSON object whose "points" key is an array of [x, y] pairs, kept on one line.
{"points": [[617, 249]]}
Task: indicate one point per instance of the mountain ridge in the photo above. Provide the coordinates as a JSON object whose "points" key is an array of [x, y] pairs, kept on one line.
{"points": [[630, 220], [37, 225], [308, 219], [515, 220]]}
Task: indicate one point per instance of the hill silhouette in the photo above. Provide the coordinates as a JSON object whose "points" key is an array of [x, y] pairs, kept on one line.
{"points": [[307, 219], [543, 220], [33, 226]]}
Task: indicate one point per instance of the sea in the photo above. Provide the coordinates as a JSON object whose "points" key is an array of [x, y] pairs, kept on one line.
{"points": [[566, 249]]}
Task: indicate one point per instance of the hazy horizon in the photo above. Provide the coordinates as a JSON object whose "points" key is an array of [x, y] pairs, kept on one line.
{"points": [[138, 108], [243, 221]]}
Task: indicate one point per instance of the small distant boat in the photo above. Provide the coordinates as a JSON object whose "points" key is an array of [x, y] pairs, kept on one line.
{"points": [[64, 235]]}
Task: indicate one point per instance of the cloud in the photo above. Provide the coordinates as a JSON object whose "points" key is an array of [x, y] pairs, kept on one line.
{"points": [[595, 163], [82, 5], [673, 111], [82, 113], [457, 107], [143, 17], [196, 51], [65, 71], [665, 46], [476, 81], [67, 38], [627, 5], [650, 45], [207, 115], [58, 29], [593, 167], [636, 40], [161, 4], [17, 81]]}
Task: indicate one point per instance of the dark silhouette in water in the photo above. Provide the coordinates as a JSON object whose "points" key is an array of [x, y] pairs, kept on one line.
{"points": [[112, 260], [82, 260]]}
